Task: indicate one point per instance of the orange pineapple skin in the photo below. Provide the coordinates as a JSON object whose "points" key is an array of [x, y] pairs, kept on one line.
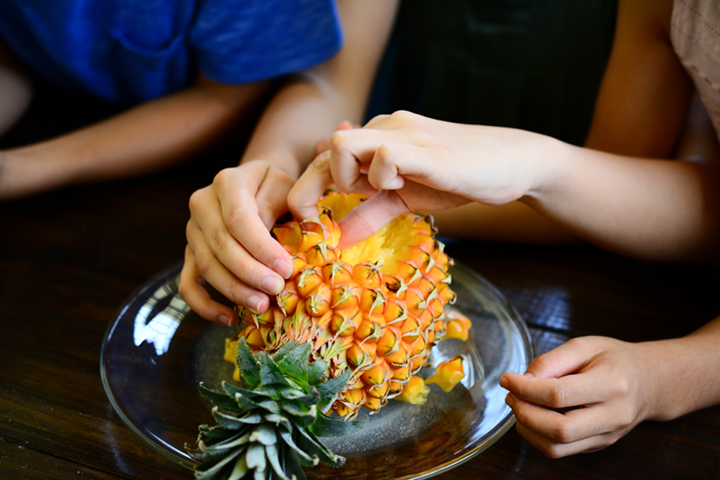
{"points": [[376, 308]]}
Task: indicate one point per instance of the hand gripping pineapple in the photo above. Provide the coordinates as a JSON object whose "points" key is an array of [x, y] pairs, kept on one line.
{"points": [[359, 324]]}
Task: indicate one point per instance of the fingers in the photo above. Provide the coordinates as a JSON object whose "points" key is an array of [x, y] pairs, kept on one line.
{"points": [[324, 144], [271, 199], [559, 434], [216, 274], [304, 196], [569, 357], [240, 238], [235, 247], [561, 378], [568, 391], [369, 217], [193, 291], [349, 151], [313, 183]]}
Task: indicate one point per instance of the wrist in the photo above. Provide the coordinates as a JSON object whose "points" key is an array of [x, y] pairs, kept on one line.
{"points": [[547, 168], [674, 387]]}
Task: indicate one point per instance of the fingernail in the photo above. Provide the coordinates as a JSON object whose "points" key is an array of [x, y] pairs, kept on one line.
{"points": [[224, 319], [283, 268], [509, 400], [503, 382], [272, 285], [254, 303], [395, 184]]}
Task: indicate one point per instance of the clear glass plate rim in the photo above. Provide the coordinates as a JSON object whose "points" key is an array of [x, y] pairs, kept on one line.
{"points": [[186, 461]]}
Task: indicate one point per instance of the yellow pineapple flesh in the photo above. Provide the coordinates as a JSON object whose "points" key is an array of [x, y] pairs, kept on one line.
{"points": [[375, 308]]}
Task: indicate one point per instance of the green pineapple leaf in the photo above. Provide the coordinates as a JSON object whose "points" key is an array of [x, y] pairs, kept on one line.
{"points": [[270, 373], [295, 363], [218, 398], [329, 389], [326, 426], [249, 366], [282, 351], [317, 371]]}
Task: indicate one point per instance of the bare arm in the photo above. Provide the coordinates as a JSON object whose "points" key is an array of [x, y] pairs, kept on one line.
{"points": [[639, 112], [141, 140], [229, 244], [310, 107], [650, 208]]}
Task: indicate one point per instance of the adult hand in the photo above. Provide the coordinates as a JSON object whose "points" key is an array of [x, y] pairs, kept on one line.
{"points": [[582, 396], [229, 241], [419, 164]]}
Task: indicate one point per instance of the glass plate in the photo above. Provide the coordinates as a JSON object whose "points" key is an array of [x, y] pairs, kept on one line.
{"points": [[157, 350]]}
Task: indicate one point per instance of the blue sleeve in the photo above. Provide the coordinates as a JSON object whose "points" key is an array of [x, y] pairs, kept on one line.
{"points": [[239, 41]]}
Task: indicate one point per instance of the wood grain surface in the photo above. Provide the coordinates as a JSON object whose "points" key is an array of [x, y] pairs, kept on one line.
{"points": [[69, 259]]}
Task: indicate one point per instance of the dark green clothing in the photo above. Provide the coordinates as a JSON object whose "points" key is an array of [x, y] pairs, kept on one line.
{"points": [[530, 64]]}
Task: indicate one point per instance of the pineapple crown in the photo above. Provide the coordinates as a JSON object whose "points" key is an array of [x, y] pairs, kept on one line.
{"points": [[269, 427]]}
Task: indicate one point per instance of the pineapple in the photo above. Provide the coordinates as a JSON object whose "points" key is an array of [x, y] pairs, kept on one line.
{"points": [[374, 309], [366, 317]]}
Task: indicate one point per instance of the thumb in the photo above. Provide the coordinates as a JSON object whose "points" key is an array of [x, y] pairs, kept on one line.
{"points": [[564, 360], [370, 217]]}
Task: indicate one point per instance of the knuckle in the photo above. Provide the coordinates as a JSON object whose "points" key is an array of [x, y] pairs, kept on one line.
{"points": [[235, 290], [236, 218], [622, 386], [186, 290], [544, 360], [557, 397], [217, 241], [223, 176], [204, 264], [626, 418], [279, 175], [338, 141], [261, 251], [563, 432], [319, 163], [520, 416], [196, 199], [402, 116], [379, 118], [384, 154], [242, 274], [553, 451]]}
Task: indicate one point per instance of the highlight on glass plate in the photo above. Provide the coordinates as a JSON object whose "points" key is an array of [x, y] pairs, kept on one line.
{"points": [[351, 330]]}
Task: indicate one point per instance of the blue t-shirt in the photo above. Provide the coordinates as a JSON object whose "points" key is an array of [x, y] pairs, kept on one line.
{"points": [[135, 50]]}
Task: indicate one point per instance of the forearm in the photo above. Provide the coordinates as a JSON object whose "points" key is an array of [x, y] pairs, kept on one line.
{"points": [[651, 209], [514, 222], [137, 141], [309, 108], [684, 372], [300, 115]]}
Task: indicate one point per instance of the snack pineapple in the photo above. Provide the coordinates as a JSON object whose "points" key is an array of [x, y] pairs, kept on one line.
{"points": [[365, 317]]}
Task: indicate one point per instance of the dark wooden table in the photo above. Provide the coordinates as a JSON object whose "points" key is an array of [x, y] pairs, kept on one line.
{"points": [[69, 259]]}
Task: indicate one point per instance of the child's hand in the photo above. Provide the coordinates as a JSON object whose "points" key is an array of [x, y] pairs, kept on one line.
{"points": [[324, 144], [596, 389], [420, 164], [229, 243]]}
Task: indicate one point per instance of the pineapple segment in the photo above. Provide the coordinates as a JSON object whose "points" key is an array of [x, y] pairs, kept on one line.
{"points": [[448, 374], [375, 309]]}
